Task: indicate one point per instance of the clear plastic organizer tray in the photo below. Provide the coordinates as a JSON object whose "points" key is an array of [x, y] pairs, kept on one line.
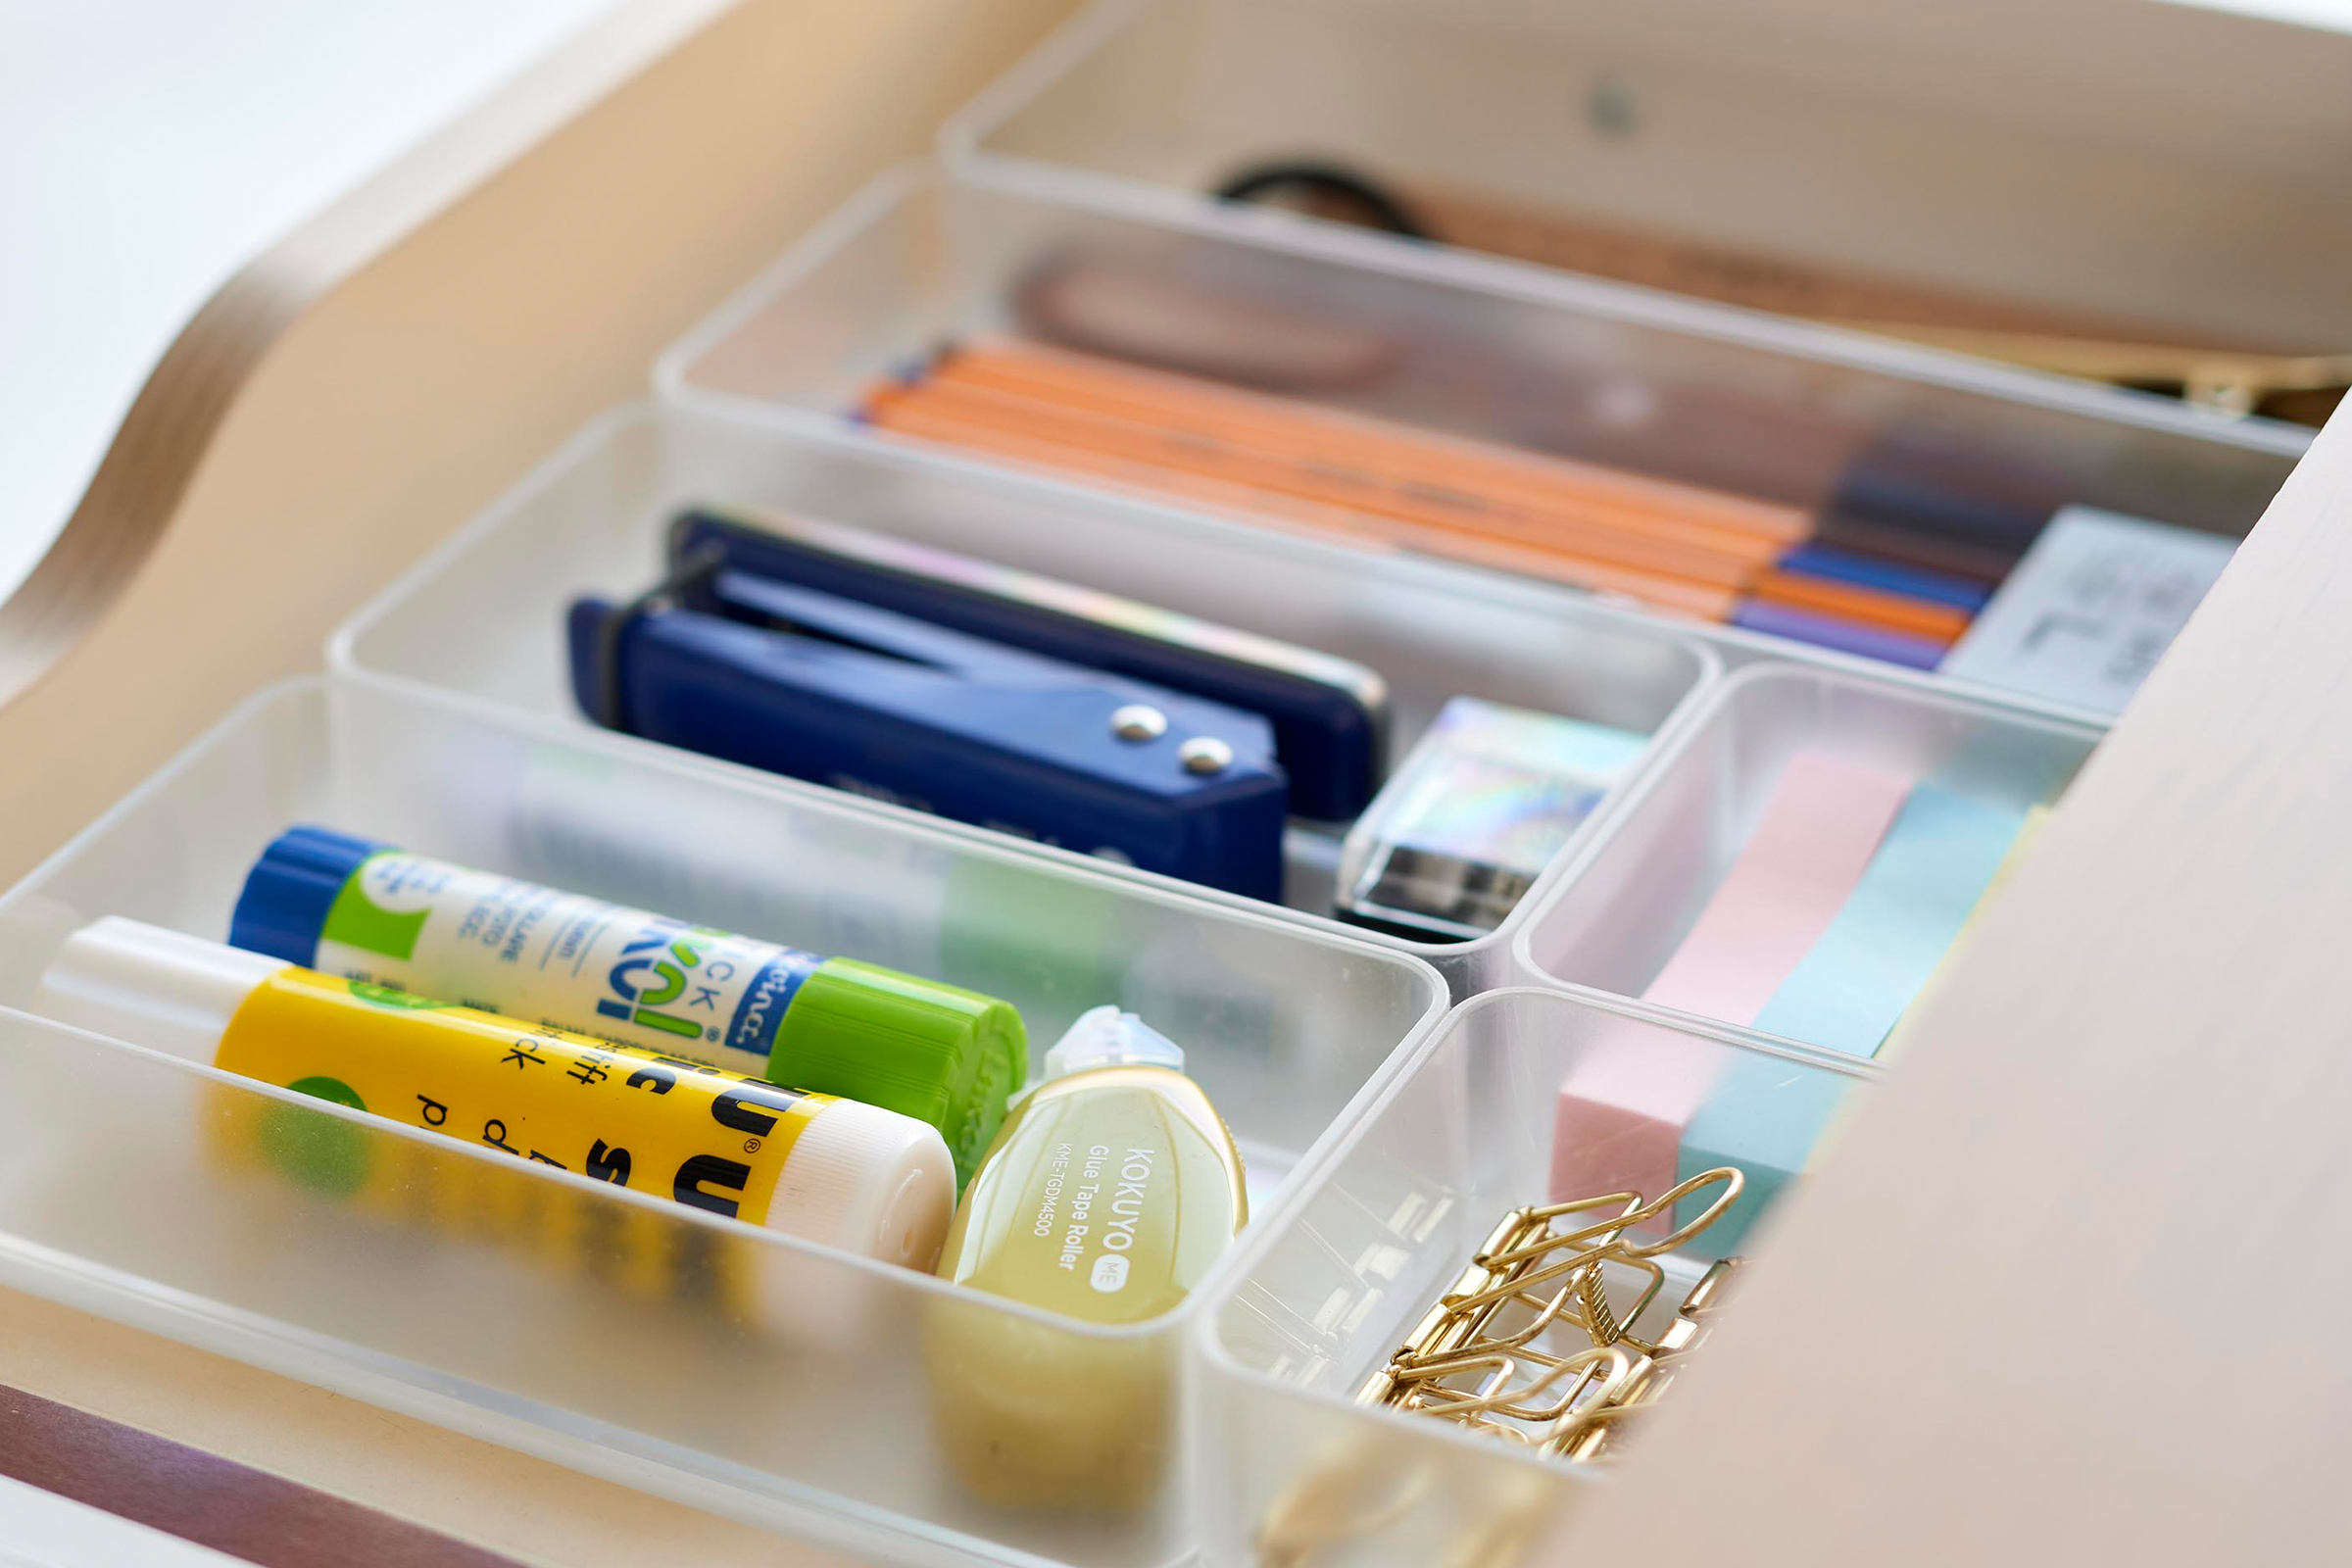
{"points": [[1623, 907], [1849, 427], [484, 616], [677, 1352], [1660, 136], [1323, 1295]]}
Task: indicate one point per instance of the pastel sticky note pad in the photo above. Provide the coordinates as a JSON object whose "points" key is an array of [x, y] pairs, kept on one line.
{"points": [[1900, 1035], [1905, 911], [1621, 1114], [1817, 834], [1764, 1116]]}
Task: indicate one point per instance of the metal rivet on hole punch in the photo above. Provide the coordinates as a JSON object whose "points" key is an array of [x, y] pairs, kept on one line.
{"points": [[1138, 721], [1205, 753]]}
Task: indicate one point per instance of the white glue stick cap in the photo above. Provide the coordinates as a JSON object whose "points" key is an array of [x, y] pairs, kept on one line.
{"points": [[868, 1181], [150, 985]]}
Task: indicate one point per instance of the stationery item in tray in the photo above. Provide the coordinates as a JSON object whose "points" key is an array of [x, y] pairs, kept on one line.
{"points": [[1840, 636], [1111, 1190], [369, 911], [2098, 599], [2234, 377], [1896, 530], [819, 650], [1773, 1121], [1810, 846], [1649, 1120], [1847, 895], [1677, 547], [1556, 1335], [1330, 715], [1840, 905], [2018, 848], [1674, 545], [1476, 812], [824, 687], [1925, 876], [835, 1171]]}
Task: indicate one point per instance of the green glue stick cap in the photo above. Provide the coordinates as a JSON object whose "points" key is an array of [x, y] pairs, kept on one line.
{"points": [[933, 1052]]}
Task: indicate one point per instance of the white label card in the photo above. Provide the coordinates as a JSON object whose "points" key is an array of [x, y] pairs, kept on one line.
{"points": [[2091, 609]]}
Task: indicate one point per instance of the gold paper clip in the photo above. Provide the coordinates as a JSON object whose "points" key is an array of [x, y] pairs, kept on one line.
{"points": [[1530, 1346]]}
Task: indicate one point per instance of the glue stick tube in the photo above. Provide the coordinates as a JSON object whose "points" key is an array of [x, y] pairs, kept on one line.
{"points": [[835, 1171], [367, 911]]}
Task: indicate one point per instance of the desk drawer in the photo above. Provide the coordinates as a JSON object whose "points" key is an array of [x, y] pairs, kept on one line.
{"points": [[1381, 1128]]}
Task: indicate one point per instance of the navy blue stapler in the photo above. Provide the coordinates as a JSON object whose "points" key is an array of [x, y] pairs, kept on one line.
{"points": [[825, 688], [1330, 714]]}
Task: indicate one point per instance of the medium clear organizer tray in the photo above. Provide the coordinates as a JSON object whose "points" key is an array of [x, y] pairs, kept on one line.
{"points": [[1873, 436], [483, 617], [1654, 142], [1461, 1136], [774, 1380], [1625, 906]]}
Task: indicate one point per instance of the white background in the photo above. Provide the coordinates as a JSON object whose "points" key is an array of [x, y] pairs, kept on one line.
{"points": [[149, 147]]}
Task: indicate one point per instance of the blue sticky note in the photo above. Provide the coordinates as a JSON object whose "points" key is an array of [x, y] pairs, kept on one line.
{"points": [[1763, 1115], [1930, 870]]}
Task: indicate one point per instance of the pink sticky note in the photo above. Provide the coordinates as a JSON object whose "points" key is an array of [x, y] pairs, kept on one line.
{"points": [[1621, 1114], [1619, 1125], [1817, 833]]}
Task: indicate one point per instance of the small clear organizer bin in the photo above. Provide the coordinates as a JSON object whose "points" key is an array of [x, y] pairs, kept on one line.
{"points": [[1873, 434], [731, 1367], [1466, 1134], [1664, 134], [483, 618], [1623, 906]]}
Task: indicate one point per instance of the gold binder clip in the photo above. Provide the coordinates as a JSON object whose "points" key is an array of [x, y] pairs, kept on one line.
{"points": [[1529, 1345]]}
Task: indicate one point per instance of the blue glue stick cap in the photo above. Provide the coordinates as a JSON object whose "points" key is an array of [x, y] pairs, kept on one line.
{"points": [[290, 889]]}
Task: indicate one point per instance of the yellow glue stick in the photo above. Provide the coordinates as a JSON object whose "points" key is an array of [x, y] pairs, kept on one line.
{"points": [[836, 1171]]}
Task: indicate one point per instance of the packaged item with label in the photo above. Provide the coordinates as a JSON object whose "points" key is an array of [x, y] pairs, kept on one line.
{"points": [[848, 1175], [369, 911], [1111, 1190], [1472, 817]]}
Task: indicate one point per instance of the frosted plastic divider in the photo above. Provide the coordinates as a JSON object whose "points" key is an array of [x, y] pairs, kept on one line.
{"points": [[964, 232], [1761, 404], [1618, 911], [769, 1376], [34, 1048], [1167, 97], [482, 617], [1461, 1135]]}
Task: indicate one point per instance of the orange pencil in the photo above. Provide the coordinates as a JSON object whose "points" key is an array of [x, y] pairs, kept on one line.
{"points": [[1185, 447], [1404, 461], [1056, 372], [1149, 393], [912, 418]]}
